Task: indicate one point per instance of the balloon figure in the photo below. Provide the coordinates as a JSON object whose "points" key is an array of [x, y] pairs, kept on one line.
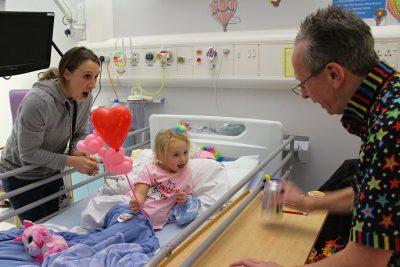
{"points": [[120, 62], [394, 8], [111, 126], [380, 15], [223, 11]]}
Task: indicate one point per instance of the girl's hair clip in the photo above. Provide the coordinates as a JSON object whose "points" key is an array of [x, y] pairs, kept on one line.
{"points": [[181, 128]]}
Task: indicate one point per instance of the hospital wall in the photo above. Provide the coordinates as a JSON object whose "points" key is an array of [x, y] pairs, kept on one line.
{"points": [[330, 144], [25, 81]]}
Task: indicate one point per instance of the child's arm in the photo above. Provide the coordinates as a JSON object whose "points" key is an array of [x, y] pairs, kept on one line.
{"points": [[141, 194], [181, 197]]}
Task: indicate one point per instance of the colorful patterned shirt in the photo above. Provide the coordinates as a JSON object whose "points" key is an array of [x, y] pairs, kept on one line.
{"points": [[373, 113]]}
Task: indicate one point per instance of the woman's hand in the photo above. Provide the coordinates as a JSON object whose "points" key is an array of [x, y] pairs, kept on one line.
{"points": [[134, 205], [79, 153], [181, 197], [84, 164]]}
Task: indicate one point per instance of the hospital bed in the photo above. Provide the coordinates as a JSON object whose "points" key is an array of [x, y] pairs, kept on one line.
{"points": [[250, 148]]}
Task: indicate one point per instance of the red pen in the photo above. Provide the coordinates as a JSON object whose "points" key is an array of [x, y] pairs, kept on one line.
{"points": [[295, 212]]}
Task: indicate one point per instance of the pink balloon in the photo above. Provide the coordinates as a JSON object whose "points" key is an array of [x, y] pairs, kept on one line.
{"points": [[102, 152], [114, 157], [129, 159], [93, 146], [81, 145], [123, 168], [90, 137], [98, 138], [106, 163]]}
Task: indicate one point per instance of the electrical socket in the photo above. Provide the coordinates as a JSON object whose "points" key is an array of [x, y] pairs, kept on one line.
{"points": [[106, 59], [80, 18], [134, 58], [389, 51]]}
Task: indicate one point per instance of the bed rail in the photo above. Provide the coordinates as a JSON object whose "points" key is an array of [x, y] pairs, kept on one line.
{"points": [[144, 141], [167, 249]]}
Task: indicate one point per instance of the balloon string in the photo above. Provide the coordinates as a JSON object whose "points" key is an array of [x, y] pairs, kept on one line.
{"points": [[136, 198]]}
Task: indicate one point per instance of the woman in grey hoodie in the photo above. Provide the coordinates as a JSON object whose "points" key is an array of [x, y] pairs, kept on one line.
{"points": [[51, 119]]}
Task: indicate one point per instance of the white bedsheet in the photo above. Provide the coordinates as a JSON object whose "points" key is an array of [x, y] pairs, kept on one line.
{"points": [[211, 180]]}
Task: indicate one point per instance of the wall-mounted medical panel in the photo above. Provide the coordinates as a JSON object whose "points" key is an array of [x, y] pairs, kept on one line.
{"points": [[185, 61], [246, 60], [259, 60], [389, 51], [203, 65], [225, 60], [279, 55]]}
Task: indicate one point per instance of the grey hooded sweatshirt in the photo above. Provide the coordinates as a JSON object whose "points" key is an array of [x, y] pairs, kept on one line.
{"points": [[42, 129]]}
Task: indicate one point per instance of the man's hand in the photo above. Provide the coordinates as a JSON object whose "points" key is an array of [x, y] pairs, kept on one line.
{"points": [[249, 262]]}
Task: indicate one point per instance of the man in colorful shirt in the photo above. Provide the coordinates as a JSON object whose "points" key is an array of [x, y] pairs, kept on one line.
{"points": [[335, 60]]}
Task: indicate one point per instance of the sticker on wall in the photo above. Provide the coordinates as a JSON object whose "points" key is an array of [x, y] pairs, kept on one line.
{"points": [[223, 11], [394, 8], [120, 60], [380, 15], [275, 3], [364, 9]]}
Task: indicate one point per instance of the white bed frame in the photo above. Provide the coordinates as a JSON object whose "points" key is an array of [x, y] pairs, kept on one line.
{"points": [[260, 137]]}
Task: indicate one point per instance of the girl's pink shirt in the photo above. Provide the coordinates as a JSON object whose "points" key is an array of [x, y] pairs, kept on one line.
{"points": [[163, 187]]}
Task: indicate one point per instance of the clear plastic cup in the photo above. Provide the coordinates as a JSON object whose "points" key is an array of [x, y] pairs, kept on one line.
{"points": [[271, 209]]}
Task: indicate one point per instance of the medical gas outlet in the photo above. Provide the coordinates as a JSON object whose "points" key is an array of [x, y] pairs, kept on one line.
{"points": [[150, 58], [134, 58], [164, 57], [211, 55]]}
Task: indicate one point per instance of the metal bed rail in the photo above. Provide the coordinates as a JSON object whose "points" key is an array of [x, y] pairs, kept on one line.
{"points": [[167, 249], [54, 177]]}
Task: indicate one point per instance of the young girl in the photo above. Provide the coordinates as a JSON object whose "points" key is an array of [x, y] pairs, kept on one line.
{"points": [[165, 182]]}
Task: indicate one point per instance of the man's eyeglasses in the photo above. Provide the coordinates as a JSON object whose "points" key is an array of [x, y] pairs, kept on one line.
{"points": [[298, 88]]}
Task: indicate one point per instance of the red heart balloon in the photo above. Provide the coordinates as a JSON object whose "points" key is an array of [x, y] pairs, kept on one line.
{"points": [[112, 124]]}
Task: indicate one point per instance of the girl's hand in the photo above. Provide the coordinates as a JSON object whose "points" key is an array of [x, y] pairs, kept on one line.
{"points": [[181, 197], [134, 205]]}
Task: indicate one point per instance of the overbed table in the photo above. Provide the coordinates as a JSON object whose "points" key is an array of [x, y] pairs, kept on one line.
{"points": [[287, 241]]}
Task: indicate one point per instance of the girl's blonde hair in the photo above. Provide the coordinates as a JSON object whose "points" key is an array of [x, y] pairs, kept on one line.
{"points": [[163, 139]]}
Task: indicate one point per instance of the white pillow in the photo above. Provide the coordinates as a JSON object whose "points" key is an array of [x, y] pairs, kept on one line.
{"points": [[210, 181], [238, 169]]}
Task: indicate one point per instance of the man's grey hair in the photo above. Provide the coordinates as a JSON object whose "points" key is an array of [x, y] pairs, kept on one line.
{"points": [[333, 34]]}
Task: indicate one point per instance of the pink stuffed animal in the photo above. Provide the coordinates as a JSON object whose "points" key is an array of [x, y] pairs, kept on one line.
{"points": [[40, 242]]}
